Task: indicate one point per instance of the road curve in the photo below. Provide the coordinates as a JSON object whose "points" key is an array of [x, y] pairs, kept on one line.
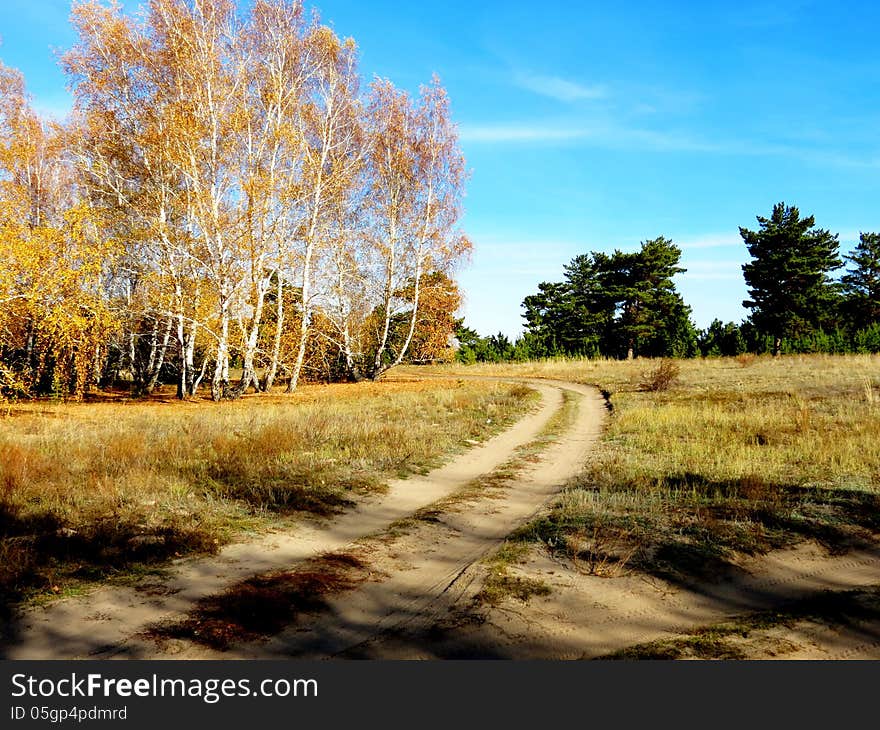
{"points": [[433, 568], [108, 621]]}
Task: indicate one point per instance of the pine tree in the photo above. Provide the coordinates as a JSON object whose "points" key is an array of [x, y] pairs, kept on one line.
{"points": [[721, 339], [622, 304], [548, 315], [653, 320], [861, 283], [590, 310], [791, 291]]}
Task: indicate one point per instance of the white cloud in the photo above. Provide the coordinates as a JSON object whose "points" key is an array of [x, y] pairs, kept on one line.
{"points": [[519, 261], [621, 137], [527, 256], [599, 135], [558, 88]]}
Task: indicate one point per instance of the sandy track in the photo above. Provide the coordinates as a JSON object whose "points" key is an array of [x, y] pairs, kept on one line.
{"points": [[433, 568], [100, 623], [588, 616]]}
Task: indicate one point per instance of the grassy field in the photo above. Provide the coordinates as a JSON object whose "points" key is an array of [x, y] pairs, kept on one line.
{"points": [[733, 457], [116, 487]]}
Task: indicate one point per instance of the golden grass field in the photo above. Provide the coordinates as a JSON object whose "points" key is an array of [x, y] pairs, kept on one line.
{"points": [[109, 488], [737, 456]]}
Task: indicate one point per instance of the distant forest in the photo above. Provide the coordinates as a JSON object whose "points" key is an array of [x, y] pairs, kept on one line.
{"points": [[803, 297]]}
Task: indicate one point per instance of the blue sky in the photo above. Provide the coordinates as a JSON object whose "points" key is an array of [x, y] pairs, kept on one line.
{"points": [[596, 125]]}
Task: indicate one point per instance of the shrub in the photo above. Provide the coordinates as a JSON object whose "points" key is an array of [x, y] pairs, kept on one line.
{"points": [[662, 377]]}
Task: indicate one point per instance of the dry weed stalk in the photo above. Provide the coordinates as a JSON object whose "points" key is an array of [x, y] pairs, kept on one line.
{"points": [[872, 396], [600, 551]]}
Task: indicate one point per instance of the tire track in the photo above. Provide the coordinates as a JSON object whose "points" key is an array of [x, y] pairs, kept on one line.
{"points": [[442, 557], [104, 622]]}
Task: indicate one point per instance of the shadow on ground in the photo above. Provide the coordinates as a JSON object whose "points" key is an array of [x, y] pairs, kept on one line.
{"points": [[265, 605], [690, 528], [39, 553], [855, 612]]}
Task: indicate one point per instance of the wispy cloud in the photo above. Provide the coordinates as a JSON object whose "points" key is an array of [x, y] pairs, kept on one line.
{"points": [[531, 257], [558, 88], [848, 238], [599, 135], [657, 140], [525, 251], [513, 133]]}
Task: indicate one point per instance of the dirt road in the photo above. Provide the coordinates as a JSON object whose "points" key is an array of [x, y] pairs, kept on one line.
{"points": [[108, 621], [424, 574]]}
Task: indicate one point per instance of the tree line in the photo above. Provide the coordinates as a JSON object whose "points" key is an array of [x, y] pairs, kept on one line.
{"points": [[626, 304], [224, 196]]}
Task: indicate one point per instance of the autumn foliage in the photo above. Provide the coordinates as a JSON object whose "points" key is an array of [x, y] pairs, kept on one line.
{"points": [[227, 196]]}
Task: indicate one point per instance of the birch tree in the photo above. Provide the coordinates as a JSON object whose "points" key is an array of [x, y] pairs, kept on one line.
{"points": [[125, 149], [199, 45], [280, 69], [225, 160], [417, 182], [54, 317], [329, 125]]}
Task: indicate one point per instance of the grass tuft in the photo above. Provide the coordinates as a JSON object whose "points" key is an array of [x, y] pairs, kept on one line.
{"points": [[501, 584]]}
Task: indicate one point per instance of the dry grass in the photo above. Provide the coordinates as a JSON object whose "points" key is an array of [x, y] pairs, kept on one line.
{"points": [[502, 584], [738, 458], [264, 605], [94, 490], [662, 377]]}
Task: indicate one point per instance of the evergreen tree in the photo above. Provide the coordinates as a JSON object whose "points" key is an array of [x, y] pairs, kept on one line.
{"points": [[722, 340], [469, 343], [652, 318], [548, 315], [590, 308], [791, 291], [861, 283], [615, 305]]}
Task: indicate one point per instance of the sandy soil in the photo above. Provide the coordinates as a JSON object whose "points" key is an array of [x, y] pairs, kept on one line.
{"points": [[587, 616], [430, 570], [422, 605]]}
